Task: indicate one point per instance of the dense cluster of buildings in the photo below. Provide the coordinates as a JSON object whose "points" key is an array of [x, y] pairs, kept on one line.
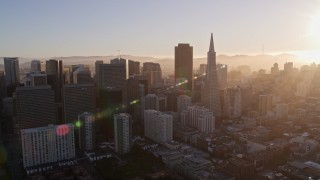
{"points": [[201, 124]]}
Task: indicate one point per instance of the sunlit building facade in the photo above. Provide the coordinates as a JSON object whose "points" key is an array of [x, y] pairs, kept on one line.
{"points": [[47, 144]]}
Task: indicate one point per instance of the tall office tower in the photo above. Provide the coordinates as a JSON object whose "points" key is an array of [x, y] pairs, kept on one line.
{"points": [[158, 126], [47, 144], [202, 69], [122, 133], [82, 75], [12, 75], [113, 76], [55, 78], [211, 93], [134, 67], [275, 69], [35, 66], [97, 69], [67, 75], [78, 98], [85, 128], [35, 106], [36, 79], [201, 118], [153, 73], [198, 85], [265, 104], [232, 102], [222, 74], [54, 71], [183, 63], [138, 88], [183, 102]]}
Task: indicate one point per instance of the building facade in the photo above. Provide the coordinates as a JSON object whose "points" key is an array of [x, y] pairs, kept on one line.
{"points": [[47, 144], [122, 133], [158, 126], [183, 62], [78, 98]]}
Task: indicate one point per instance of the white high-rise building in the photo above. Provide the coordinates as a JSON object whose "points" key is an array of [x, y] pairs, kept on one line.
{"points": [[86, 131], [47, 144], [183, 102], [122, 133], [158, 126], [200, 118]]}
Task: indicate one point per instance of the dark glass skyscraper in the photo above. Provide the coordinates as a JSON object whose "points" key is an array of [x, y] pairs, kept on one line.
{"points": [[183, 62], [12, 75]]}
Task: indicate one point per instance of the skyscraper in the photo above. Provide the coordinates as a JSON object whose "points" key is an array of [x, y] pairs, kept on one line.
{"points": [[35, 66], [54, 71], [113, 76], [222, 75], [211, 93], [35, 106], [184, 64], [153, 73], [86, 131], [122, 133], [12, 75], [158, 126], [78, 98], [97, 69], [81, 75], [134, 67]]}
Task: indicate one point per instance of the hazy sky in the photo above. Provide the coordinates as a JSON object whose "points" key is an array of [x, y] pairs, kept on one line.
{"points": [[37, 28]]}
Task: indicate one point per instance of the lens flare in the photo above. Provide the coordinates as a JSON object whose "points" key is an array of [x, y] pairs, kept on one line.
{"points": [[78, 124], [62, 130]]}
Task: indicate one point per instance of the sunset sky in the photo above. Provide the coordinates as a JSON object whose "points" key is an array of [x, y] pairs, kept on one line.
{"points": [[37, 28]]}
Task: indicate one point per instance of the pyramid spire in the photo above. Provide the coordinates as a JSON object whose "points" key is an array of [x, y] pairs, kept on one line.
{"points": [[211, 44]]}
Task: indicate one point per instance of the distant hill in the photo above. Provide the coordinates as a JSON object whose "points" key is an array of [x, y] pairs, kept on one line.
{"points": [[167, 64]]}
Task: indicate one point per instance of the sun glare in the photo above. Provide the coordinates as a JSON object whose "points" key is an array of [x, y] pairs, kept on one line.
{"points": [[314, 29]]}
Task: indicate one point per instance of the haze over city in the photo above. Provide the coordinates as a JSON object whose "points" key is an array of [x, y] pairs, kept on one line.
{"points": [[226, 90], [44, 29]]}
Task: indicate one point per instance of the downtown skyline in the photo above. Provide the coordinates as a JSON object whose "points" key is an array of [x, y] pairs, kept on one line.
{"points": [[78, 28]]}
